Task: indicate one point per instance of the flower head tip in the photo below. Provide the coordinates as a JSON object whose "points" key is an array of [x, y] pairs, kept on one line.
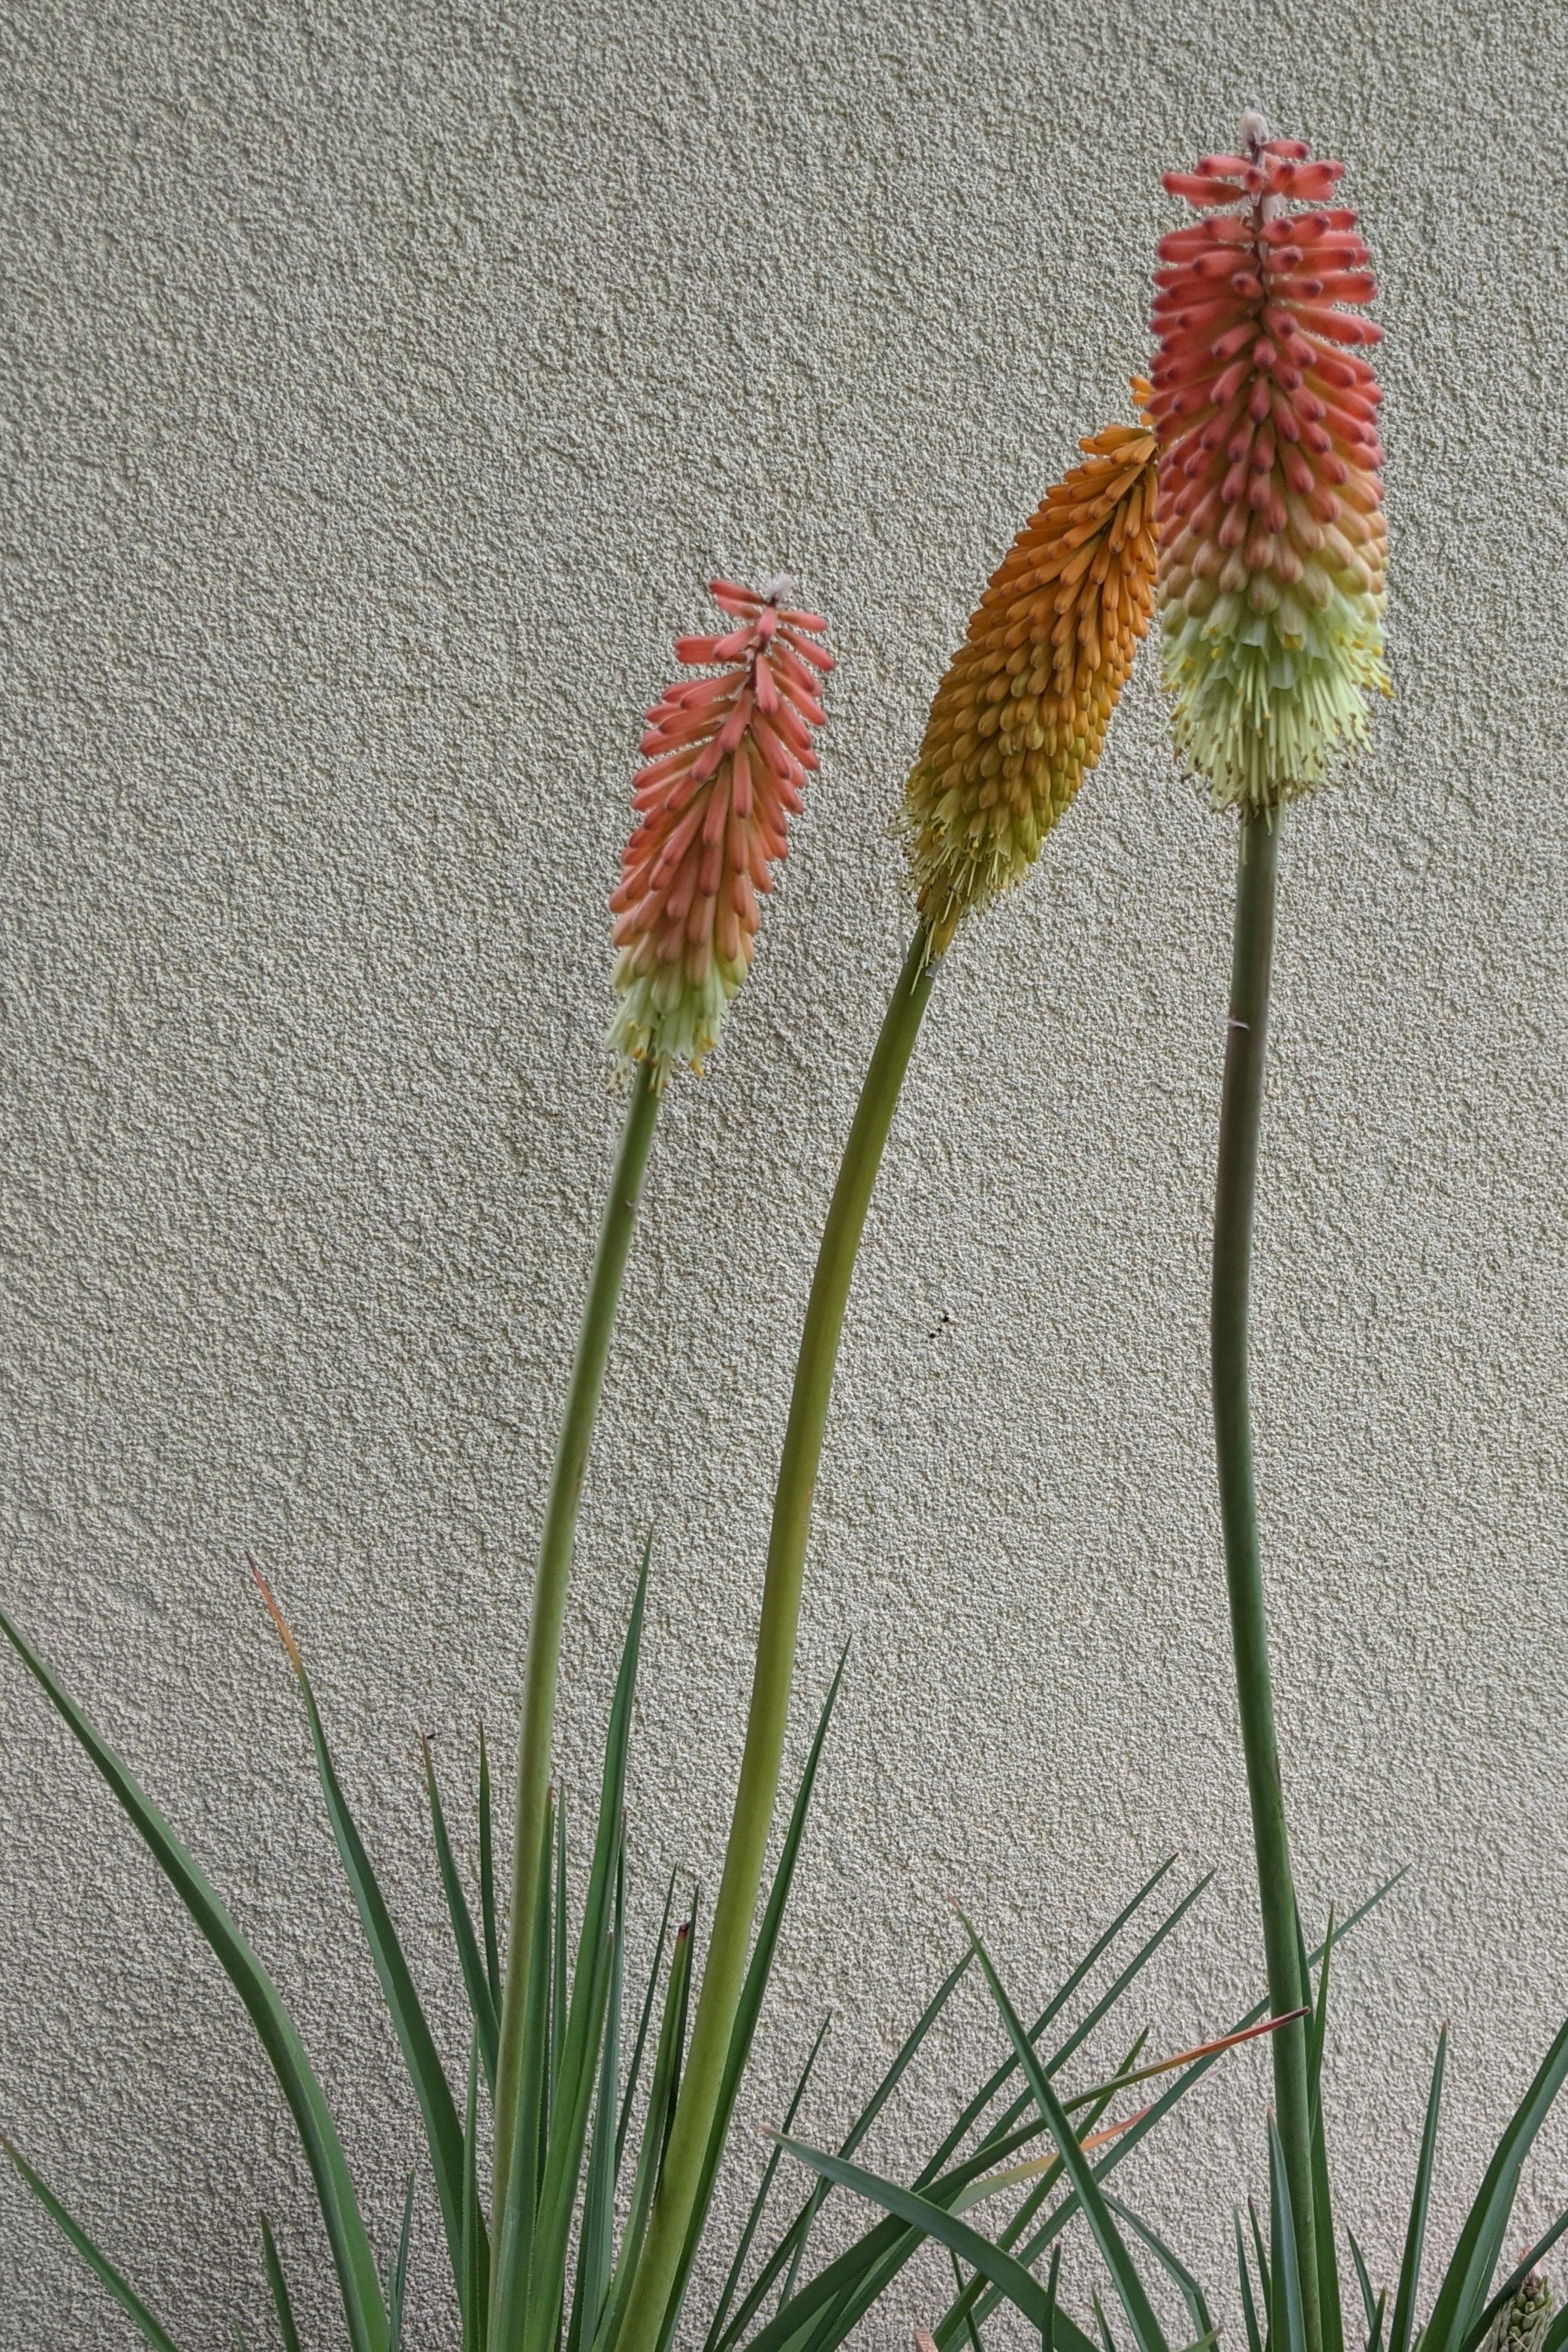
{"points": [[1020, 717], [1272, 542], [728, 755]]}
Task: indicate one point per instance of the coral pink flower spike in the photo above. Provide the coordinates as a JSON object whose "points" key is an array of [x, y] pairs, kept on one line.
{"points": [[1273, 542], [729, 755]]}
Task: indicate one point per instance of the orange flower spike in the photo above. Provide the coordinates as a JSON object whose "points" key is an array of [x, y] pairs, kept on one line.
{"points": [[1272, 542], [728, 758], [1020, 717]]}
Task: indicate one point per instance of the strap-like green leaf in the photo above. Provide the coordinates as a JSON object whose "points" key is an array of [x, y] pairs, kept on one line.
{"points": [[1244, 2275], [1416, 2227], [1021, 2286], [758, 2203], [754, 1987], [575, 2065], [283, 2308], [363, 2309], [397, 2282], [442, 2133], [1515, 2280], [514, 2229], [873, 2108], [102, 2269], [474, 2297], [1323, 2253], [1188, 2287], [650, 1994], [1147, 2333], [1363, 2281], [1059, 2057], [785, 2252], [594, 2248], [1286, 2326], [488, 1877], [655, 2133], [1465, 2283], [475, 1981]]}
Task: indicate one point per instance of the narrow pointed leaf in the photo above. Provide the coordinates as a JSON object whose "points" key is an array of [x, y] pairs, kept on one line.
{"points": [[1416, 2228], [488, 1877], [970, 2329], [577, 2040], [102, 2269], [355, 2264], [476, 1979], [784, 2253], [282, 2307], [397, 2285], [1468, 2275], [1286, 2326], [754, 1987], [1325, 2252], [443, 2132], [1021, 2286], [874, 2105], [1186, 2286], [474, 2297], [594, 2239], [1147, 2334], [634, 2071], [758, 2203], [1058, 2003], [1515, 2280], [1244, 2276], [656, 2131], [512, 2259], [1363, 2281], [1375, 2334], [559, 1991]]}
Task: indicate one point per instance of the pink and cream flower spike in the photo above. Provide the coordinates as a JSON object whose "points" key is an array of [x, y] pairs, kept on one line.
{"points": [[1273, 542], [728, 756]]}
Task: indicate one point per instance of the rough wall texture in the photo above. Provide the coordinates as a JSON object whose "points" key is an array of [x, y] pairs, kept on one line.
{"points": [[382, 384]]}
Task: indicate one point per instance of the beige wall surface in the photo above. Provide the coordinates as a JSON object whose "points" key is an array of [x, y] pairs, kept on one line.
{"points": [[381, 384]]}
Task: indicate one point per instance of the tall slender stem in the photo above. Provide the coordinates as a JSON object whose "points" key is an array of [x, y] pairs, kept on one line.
{"points": [[551, 1589], [658, 2272], [1235, 1195]]}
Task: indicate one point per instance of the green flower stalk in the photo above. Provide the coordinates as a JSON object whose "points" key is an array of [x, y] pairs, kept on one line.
{"points": [[1272, 573], [728, 755], [1018, 722]]}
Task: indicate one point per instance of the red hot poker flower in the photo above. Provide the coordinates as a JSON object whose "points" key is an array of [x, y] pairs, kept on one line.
{"points": [[1272, 542], [728, 756]]}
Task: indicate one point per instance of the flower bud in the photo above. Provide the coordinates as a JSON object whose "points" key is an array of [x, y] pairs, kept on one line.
{"points": [[1520, 2326], [728, 755], [1020, 717]]}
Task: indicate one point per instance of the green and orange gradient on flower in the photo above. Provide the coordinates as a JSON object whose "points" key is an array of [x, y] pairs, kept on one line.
{"points": [[1272, 542], [1272, 559], [728, 757]]}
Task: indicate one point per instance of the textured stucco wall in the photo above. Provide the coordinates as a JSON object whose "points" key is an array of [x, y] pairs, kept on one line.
{"points": [[380, 384]]}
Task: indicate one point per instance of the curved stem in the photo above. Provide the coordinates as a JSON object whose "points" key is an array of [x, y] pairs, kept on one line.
{"points": [[1235, 1195], [680, 2184], [550, 1589]]}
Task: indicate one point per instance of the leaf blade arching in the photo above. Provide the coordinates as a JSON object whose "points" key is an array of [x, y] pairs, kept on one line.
{"points": [[360, 2288], [98, 2261]]}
